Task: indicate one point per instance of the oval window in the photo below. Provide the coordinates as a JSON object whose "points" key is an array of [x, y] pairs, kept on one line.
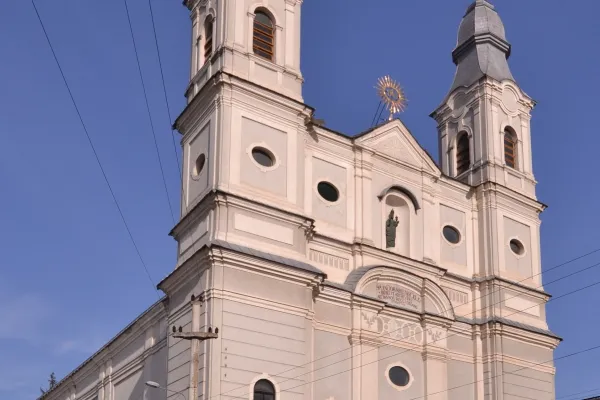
{"points": [[263, 157], [399, 376], [451, 234], [328, 191], [199, 165], [517, 247]]}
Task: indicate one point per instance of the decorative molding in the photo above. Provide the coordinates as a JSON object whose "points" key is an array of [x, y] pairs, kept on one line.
{"points": [[394, 328], [329, 259], [456, 296]]}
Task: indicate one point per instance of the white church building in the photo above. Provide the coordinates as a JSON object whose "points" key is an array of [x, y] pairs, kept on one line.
{"points": [[337, 267]]}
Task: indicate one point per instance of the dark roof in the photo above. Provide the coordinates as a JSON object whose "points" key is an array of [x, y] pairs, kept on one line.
{"points": [[481, 49]]}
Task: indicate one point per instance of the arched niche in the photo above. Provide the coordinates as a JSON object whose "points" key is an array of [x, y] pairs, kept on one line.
{"points": [[404, 191], [399, 218]]}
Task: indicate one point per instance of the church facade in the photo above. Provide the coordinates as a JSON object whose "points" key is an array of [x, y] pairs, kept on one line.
{"points": [[336, 267]]}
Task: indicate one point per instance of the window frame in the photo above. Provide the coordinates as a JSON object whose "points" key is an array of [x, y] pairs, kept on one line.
{"points": [[264, 37], [460, 156], [392, 384], [264, 378], [510, 152], [208, 39], [453, 227]]}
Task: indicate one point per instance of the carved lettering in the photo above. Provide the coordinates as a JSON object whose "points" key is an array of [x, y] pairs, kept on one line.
{"points": [[398, 296]]}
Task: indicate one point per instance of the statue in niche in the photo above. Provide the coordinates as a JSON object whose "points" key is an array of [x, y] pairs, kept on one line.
{"points": [[390, 230]]}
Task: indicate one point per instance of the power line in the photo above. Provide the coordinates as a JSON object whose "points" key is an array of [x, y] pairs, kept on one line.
{"points": [[375, 116], [137, 250], [520, 369], [137, 59], [404, 338], [586, 392], [452, 308], [164, 86], [526, 387], [456, 387], [413, 348]]}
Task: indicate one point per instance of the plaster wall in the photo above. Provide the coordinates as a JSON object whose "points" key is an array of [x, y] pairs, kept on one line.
{"points": [[260, 341], [519, 266], [527, 382], [412, 361], [270, 179], [335, 213], [338, 364], [196, 178], [461, 376]]}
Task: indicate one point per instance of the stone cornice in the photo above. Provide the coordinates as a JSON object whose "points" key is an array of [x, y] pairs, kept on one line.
{"points": [[511, 194], [266, 267], [188, 270], [488, 38], [221, 197], [259, 93], [505, 283], [333, 294]]}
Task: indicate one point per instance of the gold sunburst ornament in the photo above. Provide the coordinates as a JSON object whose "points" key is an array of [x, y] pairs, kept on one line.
{"points": [[391, 95]]}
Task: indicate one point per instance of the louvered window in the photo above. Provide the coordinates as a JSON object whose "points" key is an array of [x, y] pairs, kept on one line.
{"points": [[510, 149], [463, 154], [263, 36], [208, 41]]}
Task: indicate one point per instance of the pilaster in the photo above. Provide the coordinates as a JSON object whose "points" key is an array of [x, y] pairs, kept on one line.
{"points": [[435, 359]]}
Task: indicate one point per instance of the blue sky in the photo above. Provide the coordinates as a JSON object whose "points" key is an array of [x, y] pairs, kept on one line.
{"points": [[69, 276]]}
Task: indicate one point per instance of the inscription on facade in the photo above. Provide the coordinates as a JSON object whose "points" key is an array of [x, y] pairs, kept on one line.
{"points": [[328, 259], [398, 296]]}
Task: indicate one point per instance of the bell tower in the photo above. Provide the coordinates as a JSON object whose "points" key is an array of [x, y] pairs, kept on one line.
{"points": [[484, 121], [485, 141], [256, 41], [245, 120]]}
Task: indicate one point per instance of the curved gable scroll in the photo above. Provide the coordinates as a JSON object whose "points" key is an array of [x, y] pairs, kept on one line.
{"points": [[402, 190], [401, 289]]}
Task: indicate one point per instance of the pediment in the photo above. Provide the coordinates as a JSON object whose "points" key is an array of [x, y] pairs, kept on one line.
{"points": [[394, 141]]}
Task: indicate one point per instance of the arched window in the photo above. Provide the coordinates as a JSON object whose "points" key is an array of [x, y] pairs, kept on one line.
{"points": [[510, 148], [208, 41], [463, 154], [264, 390], [263, 37]]}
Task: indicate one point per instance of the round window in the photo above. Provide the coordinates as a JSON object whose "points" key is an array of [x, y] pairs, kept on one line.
{"points": [[517, 247], [263, 157], [399, 376], [199, 165], [451, 234], [328, 191]]}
